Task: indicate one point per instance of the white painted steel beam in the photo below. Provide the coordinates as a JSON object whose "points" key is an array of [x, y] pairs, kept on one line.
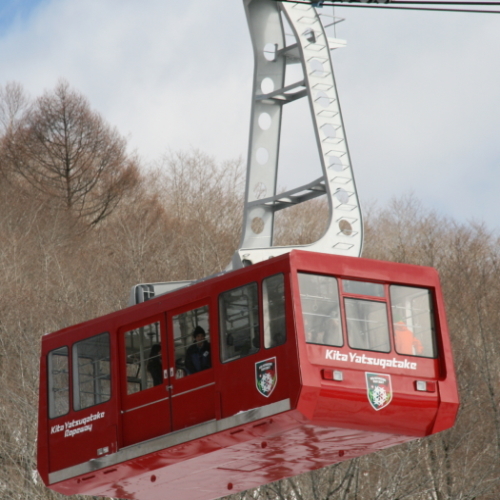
{"points": [[272, 55]]}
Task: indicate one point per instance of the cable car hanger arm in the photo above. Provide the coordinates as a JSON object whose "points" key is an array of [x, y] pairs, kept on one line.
{"points": [[273, 56], [401, 5]]}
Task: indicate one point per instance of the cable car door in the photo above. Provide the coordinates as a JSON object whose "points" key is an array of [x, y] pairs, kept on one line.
{"points": [[254, 373], [145, 392], [192, 375]]}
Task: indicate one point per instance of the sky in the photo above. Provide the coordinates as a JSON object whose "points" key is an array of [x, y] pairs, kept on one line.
{"points": [[419, 91]]}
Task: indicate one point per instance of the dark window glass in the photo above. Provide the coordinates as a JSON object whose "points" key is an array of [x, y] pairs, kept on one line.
{"points": [[58, 370], [239, 322], [367, 325], [319, 297], [192, 342], [413, 320], [363, 288], [143, 358], [273, 299], [92, 371]]}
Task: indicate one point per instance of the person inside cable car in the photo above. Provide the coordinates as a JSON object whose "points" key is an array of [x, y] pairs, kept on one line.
{"points": [[333, 335], [154, 364], [313, 329], [322, 330], [406, 342], [198, 353]]}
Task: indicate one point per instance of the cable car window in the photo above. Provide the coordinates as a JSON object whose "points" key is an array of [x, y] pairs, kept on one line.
{"points": [[413, 321], [319, 296], [363, 288], [192, 342], [143, 358], [273, 299], [58, 370], [91, 372], [367, 325], [239, 323]]}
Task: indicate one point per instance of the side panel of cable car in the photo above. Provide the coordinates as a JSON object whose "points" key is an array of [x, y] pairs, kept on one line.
{"points": [[262, 373]]}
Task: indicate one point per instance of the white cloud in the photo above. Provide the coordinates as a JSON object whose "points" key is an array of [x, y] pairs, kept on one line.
{"points": [[419, 91]]}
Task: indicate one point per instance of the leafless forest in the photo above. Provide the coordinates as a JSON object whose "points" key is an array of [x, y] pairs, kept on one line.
{"points": [[81, 222]]}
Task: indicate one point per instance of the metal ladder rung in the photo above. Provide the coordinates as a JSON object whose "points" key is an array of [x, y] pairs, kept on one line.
{"points": [[301, 6], [350, 235], [319, 74], [322, 86], [333, 140], [307, 20], [343, 246], [324, 113], [341, 180], [317, 47], [345, 207]]}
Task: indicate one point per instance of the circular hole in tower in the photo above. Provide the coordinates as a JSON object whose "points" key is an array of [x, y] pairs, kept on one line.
{"points": [[345, 227], [262, 156], [335, 163], [257, 225], [342, 196], [329, 130], [317, 68], [264, 121], [267, 85], [270, 51], [322, 99]]}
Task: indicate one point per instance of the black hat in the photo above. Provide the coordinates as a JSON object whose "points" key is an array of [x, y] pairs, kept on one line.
{"points": [[198, 330]]}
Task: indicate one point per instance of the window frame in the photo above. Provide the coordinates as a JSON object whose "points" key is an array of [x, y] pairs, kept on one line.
{"points": [[142, 362], [222, 319], [386, 303], [266, 318], [171, 339], [77, 406], [51, 404], [341, 315], [433, 322]]}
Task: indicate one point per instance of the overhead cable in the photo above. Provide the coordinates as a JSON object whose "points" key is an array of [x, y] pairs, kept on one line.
{"points": [[388, 6]]}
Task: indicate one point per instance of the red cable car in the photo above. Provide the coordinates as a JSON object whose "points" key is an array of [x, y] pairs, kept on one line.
{"points": [[261, 373]]}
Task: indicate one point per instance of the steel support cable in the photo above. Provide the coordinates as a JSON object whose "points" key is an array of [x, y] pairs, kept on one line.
{"points": [[328, 3]]}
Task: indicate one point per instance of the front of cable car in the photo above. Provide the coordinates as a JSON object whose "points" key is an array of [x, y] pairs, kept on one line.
{"points": [[374, 346]]}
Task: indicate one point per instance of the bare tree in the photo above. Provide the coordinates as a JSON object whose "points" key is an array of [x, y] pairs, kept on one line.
{"points": [[203, 199], [182, 221], [69, 155], [302, 224], [13, 103]]}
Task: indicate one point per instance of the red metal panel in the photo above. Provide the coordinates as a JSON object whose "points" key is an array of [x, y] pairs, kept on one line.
{"points": [[76, 438], [280, 447], [239, 390]]}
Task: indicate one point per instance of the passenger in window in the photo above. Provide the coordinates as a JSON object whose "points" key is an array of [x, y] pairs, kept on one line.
{"points": [[198, 354], [323, 330], [333, 335], [154, 364], [309, 329], [314, 329], [277, 338], [406, 342]]}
